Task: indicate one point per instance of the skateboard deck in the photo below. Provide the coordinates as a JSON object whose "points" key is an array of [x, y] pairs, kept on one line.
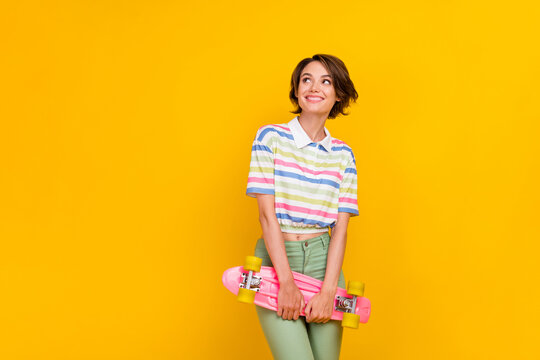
{"points": [[268, 286]]}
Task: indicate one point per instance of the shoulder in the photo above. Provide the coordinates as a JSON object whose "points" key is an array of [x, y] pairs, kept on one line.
{"points": [[268, 132], [343, 148]]}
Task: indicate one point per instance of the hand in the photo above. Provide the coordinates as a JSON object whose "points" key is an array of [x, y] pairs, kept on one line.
{"points": [[320, 307], [290, 301]]}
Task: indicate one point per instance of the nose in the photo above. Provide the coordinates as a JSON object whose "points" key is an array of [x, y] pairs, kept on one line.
{"points": [[314, 86]]}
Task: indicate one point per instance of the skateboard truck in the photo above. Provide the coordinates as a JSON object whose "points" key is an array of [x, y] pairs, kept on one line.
{"points": [[251, 282], [345, 304], [250, 285]]}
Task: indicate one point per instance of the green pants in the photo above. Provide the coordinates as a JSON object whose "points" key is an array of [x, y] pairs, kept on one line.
{"points": [[297, 339]]}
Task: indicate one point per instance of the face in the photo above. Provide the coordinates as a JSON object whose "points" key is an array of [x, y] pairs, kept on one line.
{"points": [[316, 93]]}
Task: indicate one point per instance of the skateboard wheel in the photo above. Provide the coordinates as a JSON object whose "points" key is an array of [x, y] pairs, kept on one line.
{"points": [[355, 288], [350, 320], [246, 296], [252, 263]]}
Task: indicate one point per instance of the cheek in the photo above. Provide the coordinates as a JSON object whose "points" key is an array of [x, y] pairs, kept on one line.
{"points": [[332, 94], [332, 91]]}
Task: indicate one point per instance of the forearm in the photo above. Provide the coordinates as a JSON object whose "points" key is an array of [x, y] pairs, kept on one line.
{"points": [[334, 262], [273, 239]]}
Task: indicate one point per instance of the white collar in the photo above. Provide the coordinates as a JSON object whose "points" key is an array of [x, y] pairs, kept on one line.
{"points": [[302, 139]]}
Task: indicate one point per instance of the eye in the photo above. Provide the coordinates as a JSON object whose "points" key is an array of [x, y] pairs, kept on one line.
{"points": [[306, 79]]}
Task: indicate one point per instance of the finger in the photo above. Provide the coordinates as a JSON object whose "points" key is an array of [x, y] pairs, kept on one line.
{"points": [[297, 311], [280, 311], [290, 314], [307, 311], [292, 311], [287, 312]]}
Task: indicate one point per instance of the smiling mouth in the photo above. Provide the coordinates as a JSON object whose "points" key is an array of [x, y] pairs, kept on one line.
{"points": [[314, 99]]}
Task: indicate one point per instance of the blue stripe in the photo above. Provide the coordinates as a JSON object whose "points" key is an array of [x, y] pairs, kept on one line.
{"points": [[259, 191], [301, 220], [350, 171], [348, 210], [280, 133], [322, 148], [346, 148], [339, 148], [304, 178], [261, 147]]}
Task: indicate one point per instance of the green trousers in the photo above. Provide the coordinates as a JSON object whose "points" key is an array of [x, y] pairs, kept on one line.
{"points": [[298, 339]]}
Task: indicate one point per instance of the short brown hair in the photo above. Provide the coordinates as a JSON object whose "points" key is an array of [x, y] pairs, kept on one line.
{"points": [[343, 84]]}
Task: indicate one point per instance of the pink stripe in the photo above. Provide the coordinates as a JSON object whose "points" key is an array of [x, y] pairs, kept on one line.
{"points": [[294, 165], [260, 180], [283, 127], [306, 210], [336, 141], [348, 200]]}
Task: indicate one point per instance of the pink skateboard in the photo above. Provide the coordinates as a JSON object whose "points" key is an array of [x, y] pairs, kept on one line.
{"points": [[257, 284]]}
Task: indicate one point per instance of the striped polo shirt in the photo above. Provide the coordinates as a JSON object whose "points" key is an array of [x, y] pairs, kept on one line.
{"points": [[311, 181]]}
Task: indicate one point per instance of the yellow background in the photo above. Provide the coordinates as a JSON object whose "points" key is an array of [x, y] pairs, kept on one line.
{"points": [[125, 137]]}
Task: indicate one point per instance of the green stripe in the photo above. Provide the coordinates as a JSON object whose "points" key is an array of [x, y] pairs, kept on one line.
{"points": [[325, 164], [347, 192], [304, 188], [287, 196], [348, 183], [329, 157], [266, 170]]}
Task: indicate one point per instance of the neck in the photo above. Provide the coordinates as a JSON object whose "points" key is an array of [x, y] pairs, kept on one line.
{"points": [[313, 125]]}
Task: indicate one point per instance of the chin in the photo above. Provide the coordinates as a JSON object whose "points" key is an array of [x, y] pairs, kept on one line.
{"points": [[312, 108], [317, 112]]}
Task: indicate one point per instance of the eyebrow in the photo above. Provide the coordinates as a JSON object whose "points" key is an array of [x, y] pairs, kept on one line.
{"points": [[312, 75]]}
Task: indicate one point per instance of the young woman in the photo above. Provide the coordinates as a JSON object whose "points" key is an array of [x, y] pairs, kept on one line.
{"points": [[305, 184]]}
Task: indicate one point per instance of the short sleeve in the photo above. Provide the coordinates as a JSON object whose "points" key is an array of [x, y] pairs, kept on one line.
{"points": [[261, 167], [348, 201]]}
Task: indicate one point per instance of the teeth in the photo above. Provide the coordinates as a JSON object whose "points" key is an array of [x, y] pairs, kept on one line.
{"points": [[314, 98]]}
